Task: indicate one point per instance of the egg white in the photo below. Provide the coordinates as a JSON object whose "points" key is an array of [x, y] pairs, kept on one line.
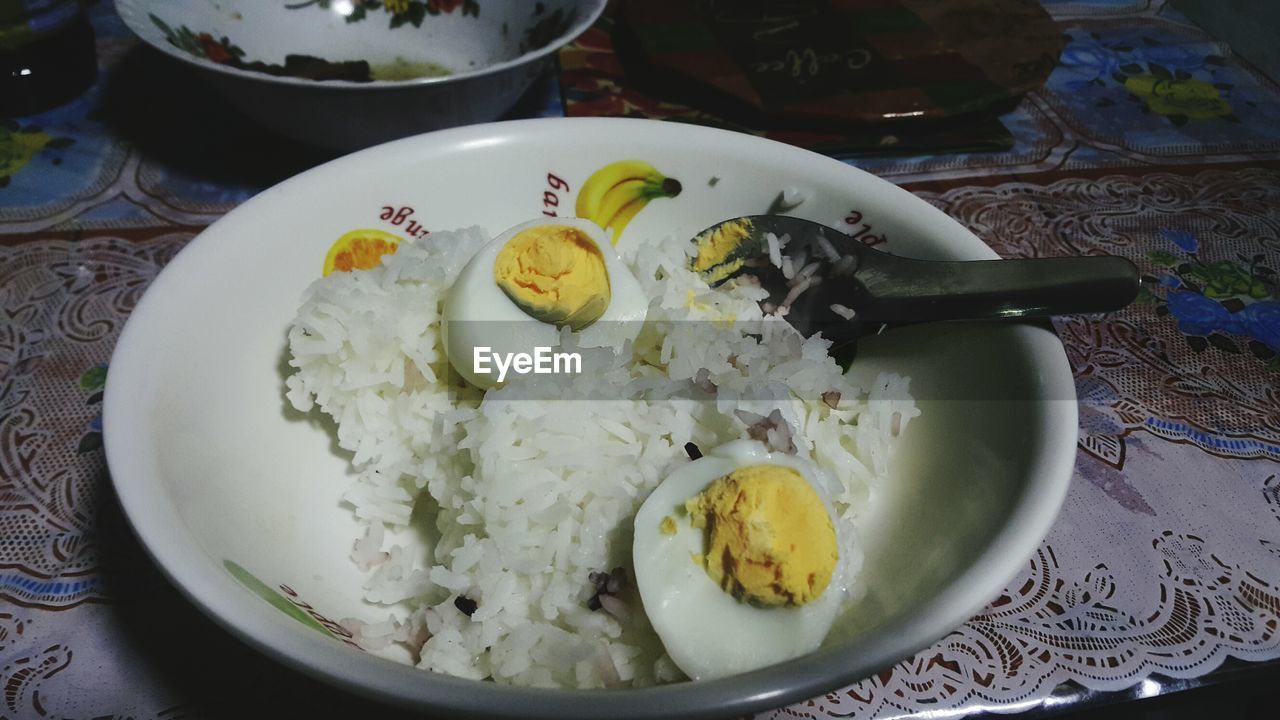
{"points": [[477, 313], [706, 632]]}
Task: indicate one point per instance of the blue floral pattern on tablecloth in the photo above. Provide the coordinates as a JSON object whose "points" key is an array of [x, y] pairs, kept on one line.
{"points": [[1228, 304], [52, 161], [1194, 360], [1161, 90]]}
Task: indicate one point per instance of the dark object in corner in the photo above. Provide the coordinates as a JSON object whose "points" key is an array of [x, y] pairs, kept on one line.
{"points": [[39, 72]]}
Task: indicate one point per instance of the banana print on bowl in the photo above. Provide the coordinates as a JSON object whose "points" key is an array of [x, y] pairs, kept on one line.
{"points": [[617, 192]]}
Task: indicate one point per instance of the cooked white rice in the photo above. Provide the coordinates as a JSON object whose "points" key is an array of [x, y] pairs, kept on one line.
{"points": [[523, 500]]}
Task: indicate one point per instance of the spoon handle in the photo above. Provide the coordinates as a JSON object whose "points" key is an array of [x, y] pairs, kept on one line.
{"points": [[893, 289]]}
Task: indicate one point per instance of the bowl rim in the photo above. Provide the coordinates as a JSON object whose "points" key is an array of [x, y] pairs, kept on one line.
{"points": [[162, 534], [129, 12]]}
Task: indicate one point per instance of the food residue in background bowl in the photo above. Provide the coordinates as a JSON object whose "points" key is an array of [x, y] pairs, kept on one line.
{"points": [[402, 69], [314, 68], [224, 52]]}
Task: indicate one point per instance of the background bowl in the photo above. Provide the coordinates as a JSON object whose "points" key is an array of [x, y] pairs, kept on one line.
{"points": [[236, 496], [494, 49]]}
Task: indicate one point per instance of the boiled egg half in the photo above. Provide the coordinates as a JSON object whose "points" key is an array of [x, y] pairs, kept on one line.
{"points": [[737, 560], [521, 289]]}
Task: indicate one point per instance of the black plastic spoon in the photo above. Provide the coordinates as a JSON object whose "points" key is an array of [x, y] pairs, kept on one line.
{"points": [[831, 283]]}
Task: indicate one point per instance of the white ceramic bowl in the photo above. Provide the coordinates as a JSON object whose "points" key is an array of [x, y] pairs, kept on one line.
{"points": [[494, 49], [236, 496]]}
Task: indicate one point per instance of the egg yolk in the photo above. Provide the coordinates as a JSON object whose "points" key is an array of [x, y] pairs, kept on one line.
{"points": [[555, 274], [771, 540], [667, 526], [717, 247]]}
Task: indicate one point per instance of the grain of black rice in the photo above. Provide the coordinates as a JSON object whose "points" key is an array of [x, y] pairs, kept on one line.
{"points": [[465, 605]]}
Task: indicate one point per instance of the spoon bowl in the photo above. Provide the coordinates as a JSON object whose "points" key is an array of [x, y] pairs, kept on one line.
{"points": [[824, 281]]}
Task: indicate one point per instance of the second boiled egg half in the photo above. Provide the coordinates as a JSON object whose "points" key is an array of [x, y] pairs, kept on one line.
{"points": [[521, 289], [737, 560]]}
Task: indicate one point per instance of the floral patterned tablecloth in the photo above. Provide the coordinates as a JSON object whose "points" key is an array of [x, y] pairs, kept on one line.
{"points": [[1150, 140]]}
